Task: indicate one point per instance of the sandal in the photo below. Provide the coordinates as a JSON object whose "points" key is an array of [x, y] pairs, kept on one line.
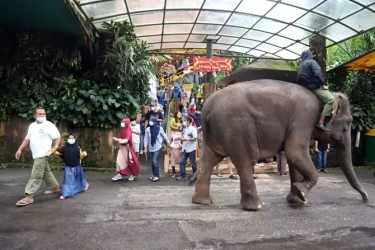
{"points": [[87, 187], [53, 190], [219, 175], [62, 197], [24, 202]]}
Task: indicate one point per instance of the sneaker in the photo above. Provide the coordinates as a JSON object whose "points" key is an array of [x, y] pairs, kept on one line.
{"points": [[219, 175], [173, 175], [325, 171], [117, 177], [322, 127], [180, 178], [285, 174], [131, 178], [155, 179], [152, 177], [234, 177], [141, 152]]}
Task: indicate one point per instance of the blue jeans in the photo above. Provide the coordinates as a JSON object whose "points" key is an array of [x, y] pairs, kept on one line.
{"points": [[322, 160], [184, 156], [155, 157], [141, 147]]}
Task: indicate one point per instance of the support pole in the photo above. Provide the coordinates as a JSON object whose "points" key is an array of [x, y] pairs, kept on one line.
{"points": [[210, 78]]}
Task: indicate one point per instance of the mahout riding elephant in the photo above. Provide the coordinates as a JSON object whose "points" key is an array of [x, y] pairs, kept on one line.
{"points": [[255, 120]]}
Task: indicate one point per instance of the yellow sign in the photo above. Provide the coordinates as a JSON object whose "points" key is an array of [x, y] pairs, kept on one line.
{"points": [[188, 87]]}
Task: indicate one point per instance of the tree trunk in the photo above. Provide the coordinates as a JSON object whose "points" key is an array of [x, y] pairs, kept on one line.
{"points": [[319, 50]]}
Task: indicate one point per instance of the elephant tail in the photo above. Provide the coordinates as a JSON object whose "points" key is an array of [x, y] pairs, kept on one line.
{"points": [[194, 178]]}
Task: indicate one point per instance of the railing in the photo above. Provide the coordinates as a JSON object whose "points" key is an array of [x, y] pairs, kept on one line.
{"points": [[174, 77], [166, 159]]}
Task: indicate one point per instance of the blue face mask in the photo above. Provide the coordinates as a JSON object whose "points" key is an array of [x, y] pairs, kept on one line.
{"points": [[41, 119], [71, 141], [152, 123]]}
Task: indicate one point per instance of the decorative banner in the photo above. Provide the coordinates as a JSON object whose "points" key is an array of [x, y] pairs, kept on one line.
{"points": [[203, 64]]}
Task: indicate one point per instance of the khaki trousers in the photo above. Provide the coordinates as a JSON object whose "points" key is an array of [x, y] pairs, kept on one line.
{"points": [[327, 99], [40, 171]]}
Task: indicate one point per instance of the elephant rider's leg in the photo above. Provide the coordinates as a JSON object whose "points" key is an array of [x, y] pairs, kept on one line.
{"points": [[207, 162], [327, 98], [298, 156]]}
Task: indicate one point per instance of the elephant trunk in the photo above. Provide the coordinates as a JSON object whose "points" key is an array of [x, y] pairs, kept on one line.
{"points": [[344, 158]]}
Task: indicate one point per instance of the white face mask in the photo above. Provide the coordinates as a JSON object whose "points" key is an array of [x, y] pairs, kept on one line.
{"points": [[152, 123], [122, 125], [184, 123], [41, 119], [133, 123], [71, 141], [153, 108]]}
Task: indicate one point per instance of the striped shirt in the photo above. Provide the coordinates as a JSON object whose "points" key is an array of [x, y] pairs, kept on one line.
{"points": [[159, 140]]}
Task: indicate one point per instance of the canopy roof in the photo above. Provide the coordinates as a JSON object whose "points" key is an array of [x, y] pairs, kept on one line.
{"points": [[261, 28], [51, 15]]}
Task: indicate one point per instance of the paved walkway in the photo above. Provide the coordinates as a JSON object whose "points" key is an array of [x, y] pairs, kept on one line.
{"points": [[146, 215]]}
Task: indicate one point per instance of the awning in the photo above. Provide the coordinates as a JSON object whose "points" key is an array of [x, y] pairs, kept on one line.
{"points": [[364, 62], [261, 28]]}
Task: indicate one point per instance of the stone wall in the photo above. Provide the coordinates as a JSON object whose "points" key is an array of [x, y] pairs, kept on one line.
{"points": [[96, 142]]}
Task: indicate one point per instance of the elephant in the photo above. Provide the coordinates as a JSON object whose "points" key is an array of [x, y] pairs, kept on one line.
{"points": [[253, 120]]}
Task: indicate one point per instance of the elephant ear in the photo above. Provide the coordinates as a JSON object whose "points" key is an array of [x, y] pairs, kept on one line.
{"points": [[337, 106]]}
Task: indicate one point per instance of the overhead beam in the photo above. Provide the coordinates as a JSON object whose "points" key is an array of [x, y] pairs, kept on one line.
{"points": [[216, 55]]}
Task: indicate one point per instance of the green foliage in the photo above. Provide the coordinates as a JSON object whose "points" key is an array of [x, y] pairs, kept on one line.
{"points": [[126, 63], [45, 69], [363, 120], [83, 103], [29, 61], [358, 86]]}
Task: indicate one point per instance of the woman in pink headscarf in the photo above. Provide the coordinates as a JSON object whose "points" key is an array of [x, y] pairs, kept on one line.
{"points": [[127, 162]]}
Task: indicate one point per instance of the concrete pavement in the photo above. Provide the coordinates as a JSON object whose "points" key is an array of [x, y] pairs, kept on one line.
{"points": [[146, 215]]}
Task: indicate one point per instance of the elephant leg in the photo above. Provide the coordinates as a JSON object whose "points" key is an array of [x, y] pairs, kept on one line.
{"points": [[294, 177], [207, 162], [249, 196], [303, 174]]}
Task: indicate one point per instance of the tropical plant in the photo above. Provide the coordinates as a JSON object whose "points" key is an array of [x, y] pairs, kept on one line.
{"points": [[44, 69], [358, 86], [82, 103], [126, 63]]}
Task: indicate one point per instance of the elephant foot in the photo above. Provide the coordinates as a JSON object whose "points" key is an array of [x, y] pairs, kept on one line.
{"points": [[204, 200], [294, 199], [251, 204], [300, 190]]}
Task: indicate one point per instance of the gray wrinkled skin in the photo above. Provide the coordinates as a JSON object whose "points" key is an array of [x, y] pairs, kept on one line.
{"points": [[255, 120]]}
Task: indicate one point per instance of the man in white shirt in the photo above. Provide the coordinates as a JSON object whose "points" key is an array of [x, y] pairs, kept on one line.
{"points": [[189, 146], [40, 135]]}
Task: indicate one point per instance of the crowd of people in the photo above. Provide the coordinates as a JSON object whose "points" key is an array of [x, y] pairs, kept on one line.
{"points": [[148, 136], [135, 138]]}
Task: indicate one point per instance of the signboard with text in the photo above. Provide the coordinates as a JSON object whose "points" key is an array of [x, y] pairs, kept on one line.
{"points": [[203, 64]]}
